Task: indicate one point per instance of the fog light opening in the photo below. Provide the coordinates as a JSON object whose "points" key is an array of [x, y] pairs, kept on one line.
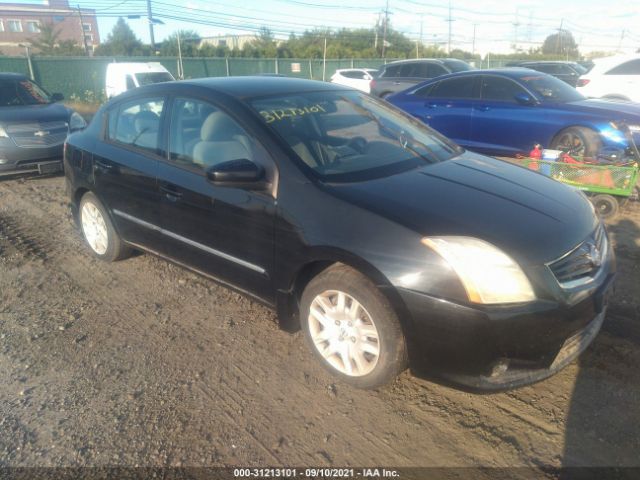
{"points": [[500, 367]]}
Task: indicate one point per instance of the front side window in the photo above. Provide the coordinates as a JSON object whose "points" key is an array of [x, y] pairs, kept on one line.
{"points": [[202, 135], [14, 25], [500, 89], [148, 78], [21, 92], [392, 71], [350, 136], [137, 123]]}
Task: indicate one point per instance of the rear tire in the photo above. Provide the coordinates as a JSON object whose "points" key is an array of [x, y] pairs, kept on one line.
{"points": [[578, 141], [352, 329], [606, 205], [98, 231]]}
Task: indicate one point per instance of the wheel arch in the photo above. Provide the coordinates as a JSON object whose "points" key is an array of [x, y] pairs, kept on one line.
{"points": [[287, 301], [585, 125]]}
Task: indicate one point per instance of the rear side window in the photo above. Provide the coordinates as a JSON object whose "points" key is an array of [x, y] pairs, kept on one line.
{"points": [[454, 88], [392, 71], [500, 89], [631, 67], [137, 123]]}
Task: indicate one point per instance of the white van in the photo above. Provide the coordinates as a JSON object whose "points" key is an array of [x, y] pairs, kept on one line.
{"points": [[125, 76]]}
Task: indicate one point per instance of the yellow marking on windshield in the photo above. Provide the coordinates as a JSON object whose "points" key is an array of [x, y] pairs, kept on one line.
{"points": [[282, 113]]}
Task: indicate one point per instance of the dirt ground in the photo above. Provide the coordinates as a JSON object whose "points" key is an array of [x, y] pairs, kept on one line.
{"points": [[141, 363]]}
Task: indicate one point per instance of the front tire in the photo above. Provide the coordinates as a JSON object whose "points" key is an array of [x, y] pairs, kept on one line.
{"points": [[578, 141], [98, 231], [352, 329]]}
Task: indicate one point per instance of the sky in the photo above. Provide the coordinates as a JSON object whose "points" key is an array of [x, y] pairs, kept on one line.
{"points": [[596, 25]]}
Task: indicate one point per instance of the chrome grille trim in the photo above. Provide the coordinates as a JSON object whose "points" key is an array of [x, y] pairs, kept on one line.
{"points": [[38, 134], [580, 265]]}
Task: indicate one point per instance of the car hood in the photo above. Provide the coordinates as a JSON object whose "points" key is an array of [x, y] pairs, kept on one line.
{"points": [[533, 218], [34, 113], [609, 108]]}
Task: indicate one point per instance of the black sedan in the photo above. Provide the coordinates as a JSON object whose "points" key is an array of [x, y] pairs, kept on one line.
{"points": [[33, 126], [388, 245]]}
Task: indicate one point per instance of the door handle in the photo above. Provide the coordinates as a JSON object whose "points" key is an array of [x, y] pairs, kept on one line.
{"points": [[171, 193], [104, 166], [397, 83], [482, 108], [431, 105]]}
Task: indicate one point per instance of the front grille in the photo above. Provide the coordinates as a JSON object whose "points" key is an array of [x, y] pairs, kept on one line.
{"points": [[34, 135], [583, 262]]}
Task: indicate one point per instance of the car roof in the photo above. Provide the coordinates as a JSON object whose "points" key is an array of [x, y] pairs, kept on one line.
{"points": [[356, 69], [418, 60], [255, 86], [12, 76], [606, 63], [511, 72]]}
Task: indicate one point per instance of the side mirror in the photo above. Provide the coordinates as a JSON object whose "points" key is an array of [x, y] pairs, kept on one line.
{"points": [[525, 99], [57, 97], [241, 173]]}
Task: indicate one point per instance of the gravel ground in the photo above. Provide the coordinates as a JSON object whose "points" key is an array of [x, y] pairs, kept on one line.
{"points": [[141, 363]]}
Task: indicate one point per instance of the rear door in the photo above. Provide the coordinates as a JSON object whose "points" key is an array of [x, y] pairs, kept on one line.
{"points": [[126, 164], [222, 231], [448, 105]]}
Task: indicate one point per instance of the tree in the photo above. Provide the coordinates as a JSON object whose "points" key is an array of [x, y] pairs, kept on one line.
{"points": [[48, 42], [264, 45], [122, 41], [189, 41], [561, 43]]}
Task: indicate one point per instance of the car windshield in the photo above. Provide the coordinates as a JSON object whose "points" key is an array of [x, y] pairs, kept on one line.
{"points": [[457, 65], [21, 92], [153, 77], [349, 136], [551, 89]]}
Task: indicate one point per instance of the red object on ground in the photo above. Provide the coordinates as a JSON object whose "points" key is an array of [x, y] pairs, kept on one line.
{"points": [[535, 154]]}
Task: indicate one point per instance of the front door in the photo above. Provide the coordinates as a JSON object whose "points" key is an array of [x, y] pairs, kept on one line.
{"points": [[225, 232]]}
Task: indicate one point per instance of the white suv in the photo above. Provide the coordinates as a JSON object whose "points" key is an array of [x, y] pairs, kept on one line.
{"points": [[616, 78]]}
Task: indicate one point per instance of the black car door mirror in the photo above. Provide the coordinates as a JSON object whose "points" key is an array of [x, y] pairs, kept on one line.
{"points": [[241, 173], [525, 99], [57, 97]]}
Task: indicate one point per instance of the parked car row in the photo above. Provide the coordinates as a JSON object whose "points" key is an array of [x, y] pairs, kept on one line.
{"points": [[388, 244]]}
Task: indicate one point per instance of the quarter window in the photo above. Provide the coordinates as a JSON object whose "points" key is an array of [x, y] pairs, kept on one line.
{"points": [[137, 124], [14, 25], [631, 67], [201, 135], [500, 89]]}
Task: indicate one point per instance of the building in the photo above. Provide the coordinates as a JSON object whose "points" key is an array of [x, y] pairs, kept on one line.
{"points": [[231, 41], [20, 23]]}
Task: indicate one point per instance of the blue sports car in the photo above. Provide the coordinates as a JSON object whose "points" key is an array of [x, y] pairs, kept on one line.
{"points": [[507, 111]]}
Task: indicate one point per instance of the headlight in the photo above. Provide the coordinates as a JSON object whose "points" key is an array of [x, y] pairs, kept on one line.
{"points": [[488, 274], [3, 132], [76, 122]]}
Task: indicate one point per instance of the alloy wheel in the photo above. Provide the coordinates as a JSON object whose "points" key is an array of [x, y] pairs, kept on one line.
{"points": [[94, 228], [344, 333]]}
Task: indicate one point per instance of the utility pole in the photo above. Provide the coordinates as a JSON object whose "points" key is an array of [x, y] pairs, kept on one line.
{"points": [[621, 39], [559, 39], [324, 60], [384, 31], [449, 20], [421, 25], [516, 24], [84, 37], [150, 19], [473, 44]]}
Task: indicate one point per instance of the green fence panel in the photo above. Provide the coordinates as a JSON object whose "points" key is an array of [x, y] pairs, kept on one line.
{"points": [[14, 65], [251, 66]]}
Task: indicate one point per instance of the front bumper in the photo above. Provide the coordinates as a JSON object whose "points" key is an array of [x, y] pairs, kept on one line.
{"points": [[24, 160], [484, 348]]}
